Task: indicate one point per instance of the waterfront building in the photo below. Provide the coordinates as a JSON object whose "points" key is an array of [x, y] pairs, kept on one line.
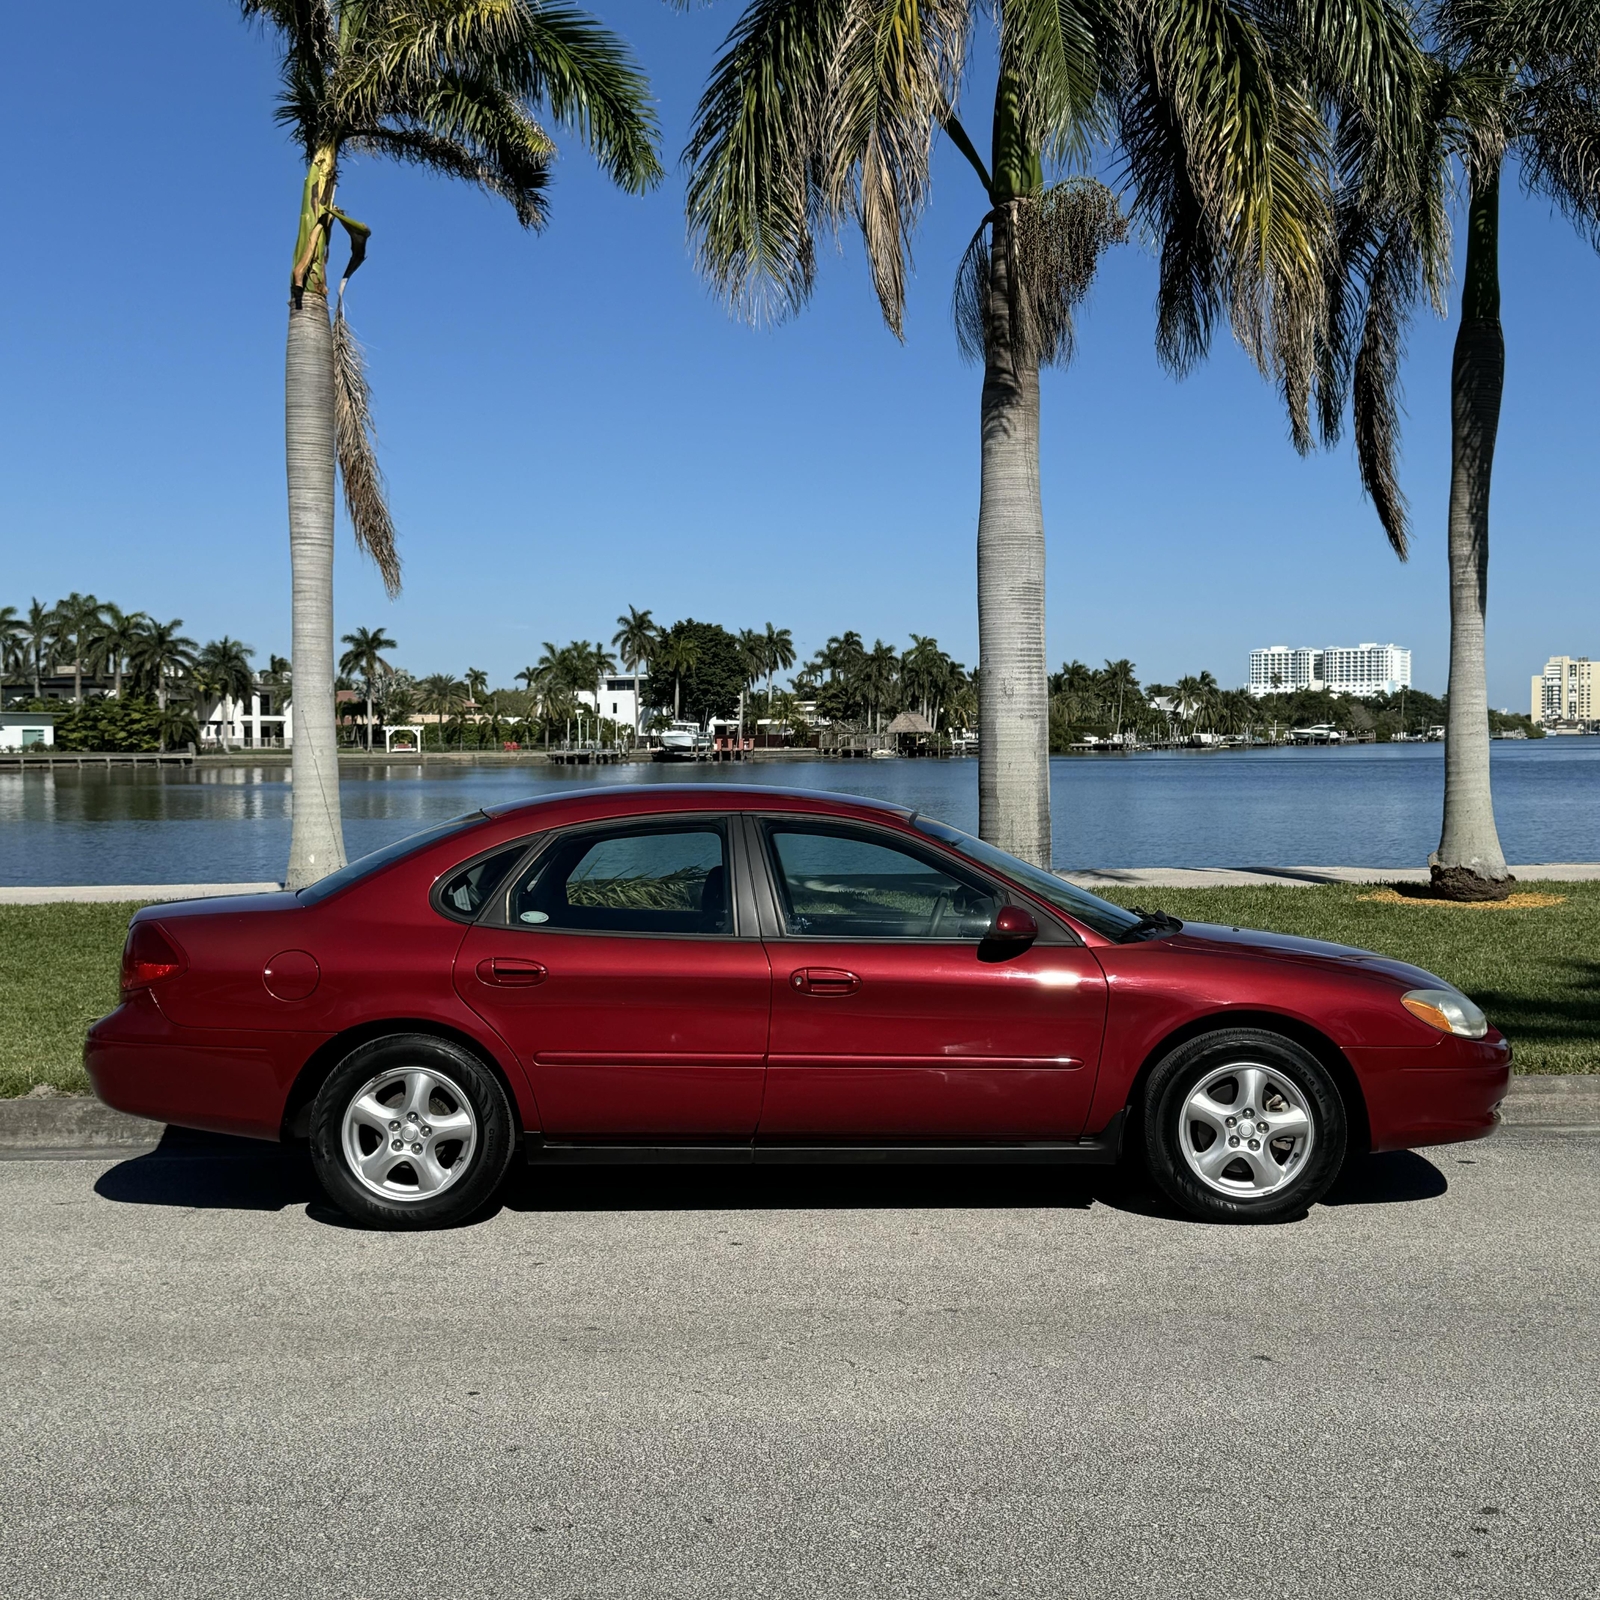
{"points": [[1361, 669], [1565, 691], [27, 730], [614, 699], [254, 724]]}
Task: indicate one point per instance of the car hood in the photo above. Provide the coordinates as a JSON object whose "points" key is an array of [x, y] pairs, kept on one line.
{"points": [[1312, 952]]}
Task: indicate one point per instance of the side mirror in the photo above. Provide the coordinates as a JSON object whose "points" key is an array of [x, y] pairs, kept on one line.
{"points": [[1014, 927]]}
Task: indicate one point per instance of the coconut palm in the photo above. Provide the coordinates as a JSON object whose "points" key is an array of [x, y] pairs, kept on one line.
{"points": [[77, 620], [364, 660], [819, 112], [38, 636], [635, 639], [453, 86], [160, 656], [777, 653], [113, 640], [1504, 81]]}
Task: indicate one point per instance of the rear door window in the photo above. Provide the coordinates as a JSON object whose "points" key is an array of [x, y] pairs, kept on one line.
{"points": [[661, 880]]}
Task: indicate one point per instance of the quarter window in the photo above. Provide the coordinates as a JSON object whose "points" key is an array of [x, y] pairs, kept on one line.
{"points": [[634, 880], [841, 885], [465, 894]]}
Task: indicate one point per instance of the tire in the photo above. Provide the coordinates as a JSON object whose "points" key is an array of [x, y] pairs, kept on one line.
{"points": [[1284, 1163], [410, 1131]]}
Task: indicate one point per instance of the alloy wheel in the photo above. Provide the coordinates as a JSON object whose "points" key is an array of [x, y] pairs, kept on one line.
{"points": [[1246, 1129], [409, 1134]]}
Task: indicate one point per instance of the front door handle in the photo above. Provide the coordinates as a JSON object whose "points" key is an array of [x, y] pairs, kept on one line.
{"points": [[823, 981], [511, 972]]}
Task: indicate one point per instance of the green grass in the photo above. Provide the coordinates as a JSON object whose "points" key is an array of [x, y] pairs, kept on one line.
{"points": [[58, 972], [1535, 971]]}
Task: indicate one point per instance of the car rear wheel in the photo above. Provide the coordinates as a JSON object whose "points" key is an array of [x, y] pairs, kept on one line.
{"points": [[411, 1132], [1243, 1126]]}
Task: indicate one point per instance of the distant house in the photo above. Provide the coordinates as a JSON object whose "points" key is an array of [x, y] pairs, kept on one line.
{"points": [[261, 722], [27, 730]]}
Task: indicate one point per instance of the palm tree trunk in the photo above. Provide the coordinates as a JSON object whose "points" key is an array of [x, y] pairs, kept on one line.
{"points": [[316, 845], [1013, 698], [1469, 864]]}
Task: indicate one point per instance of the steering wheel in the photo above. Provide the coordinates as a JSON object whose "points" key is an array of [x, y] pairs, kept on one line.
{"points": [[940, 906]]}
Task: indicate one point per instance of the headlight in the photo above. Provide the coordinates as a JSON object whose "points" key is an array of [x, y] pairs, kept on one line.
{"points": [[1447, 1011]]}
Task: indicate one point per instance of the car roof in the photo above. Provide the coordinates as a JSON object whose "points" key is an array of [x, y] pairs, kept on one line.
{"points": [[621, 800]]}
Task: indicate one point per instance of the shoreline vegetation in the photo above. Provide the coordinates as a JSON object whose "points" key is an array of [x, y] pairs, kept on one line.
{"points": [[121, 693], [1529, 962]]}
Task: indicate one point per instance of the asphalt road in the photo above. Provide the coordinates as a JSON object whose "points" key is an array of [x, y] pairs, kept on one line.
{"points": [[825, 1383]]}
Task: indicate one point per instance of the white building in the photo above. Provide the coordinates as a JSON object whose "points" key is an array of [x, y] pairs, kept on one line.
{"points": [[1362, 669], [27, 730], [615, 700], [257, 723], [1565, 691]]}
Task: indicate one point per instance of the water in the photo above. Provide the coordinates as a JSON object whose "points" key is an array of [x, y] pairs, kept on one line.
{"points": [[1367, 805]]}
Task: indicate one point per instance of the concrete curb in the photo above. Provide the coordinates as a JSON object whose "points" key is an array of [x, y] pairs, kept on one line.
{"points": [[80, 1125], [72, 1122]]}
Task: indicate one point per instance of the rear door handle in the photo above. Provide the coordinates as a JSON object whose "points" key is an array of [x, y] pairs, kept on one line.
{"points": [[822, 981], [509, 972]]}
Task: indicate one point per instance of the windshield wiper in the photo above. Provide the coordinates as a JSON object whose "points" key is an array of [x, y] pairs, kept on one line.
{"points": [[1149, 923]]}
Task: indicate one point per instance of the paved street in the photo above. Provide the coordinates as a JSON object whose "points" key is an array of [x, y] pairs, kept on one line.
{"points": [[825, 1383]]}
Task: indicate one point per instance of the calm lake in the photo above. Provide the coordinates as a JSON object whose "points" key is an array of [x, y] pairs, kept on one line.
{"points": [[1367, 805]]}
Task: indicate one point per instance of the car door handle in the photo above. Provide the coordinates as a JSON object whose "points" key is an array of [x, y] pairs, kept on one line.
{"points": [[823, 981], [508, 972]]}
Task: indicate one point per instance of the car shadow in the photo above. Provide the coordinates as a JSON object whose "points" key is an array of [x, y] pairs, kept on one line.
{"points": [[201, 1171], [1393, 1178]]}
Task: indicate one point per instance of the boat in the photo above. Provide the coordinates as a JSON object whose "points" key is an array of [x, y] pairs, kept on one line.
{"points": [[683, 741]]}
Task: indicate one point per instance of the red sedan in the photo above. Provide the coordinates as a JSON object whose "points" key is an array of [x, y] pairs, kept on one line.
{"points": [[748, 974]]}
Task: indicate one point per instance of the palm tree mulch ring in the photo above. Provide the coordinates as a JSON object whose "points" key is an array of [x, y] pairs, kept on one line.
{"points": [[1422, 894]]}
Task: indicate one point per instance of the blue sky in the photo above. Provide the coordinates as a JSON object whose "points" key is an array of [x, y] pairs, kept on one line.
{"points": [[571, 424]]}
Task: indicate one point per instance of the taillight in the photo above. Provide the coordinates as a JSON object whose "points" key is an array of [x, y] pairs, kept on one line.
{"points": [[149, 957]]}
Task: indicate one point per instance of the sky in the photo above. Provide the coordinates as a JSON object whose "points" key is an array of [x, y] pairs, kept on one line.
{"points": [[570, 423]]}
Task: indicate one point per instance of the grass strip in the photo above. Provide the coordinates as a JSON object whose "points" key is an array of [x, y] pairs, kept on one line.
{"points": [[1534, 966]]}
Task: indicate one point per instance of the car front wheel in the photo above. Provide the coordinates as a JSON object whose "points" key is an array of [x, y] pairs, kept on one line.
{"points": [[1243, 1126], [411, 1132]]}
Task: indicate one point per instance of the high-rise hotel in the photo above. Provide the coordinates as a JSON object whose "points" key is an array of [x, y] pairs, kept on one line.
{"points": [[1565, 691], [1361, 669]]}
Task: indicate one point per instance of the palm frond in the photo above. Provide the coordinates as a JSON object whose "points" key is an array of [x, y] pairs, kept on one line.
{"points": [[535, 54], [1560, 149], [754, 152], [364, 495], [1246, 201], [894, 73], [1062, 55]]}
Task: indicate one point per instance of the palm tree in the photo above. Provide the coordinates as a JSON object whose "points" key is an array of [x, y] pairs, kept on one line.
{"points": [[777, 651], [222, 672], [77, 619], [113, 640], [1503, 79], [450, 85], [676, 656], [12, 633], [364, 660], [160, 655], [1120, 681], [752, 663], [38, 634], [635, 639], [816, 113]]}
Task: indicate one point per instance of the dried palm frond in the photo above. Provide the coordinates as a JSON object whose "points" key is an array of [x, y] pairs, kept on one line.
{"points": [[1054, 243], [365, 497]]}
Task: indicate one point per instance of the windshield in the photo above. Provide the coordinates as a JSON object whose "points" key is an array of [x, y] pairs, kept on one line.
{"points": [[1110, 921], [365, 866]]}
